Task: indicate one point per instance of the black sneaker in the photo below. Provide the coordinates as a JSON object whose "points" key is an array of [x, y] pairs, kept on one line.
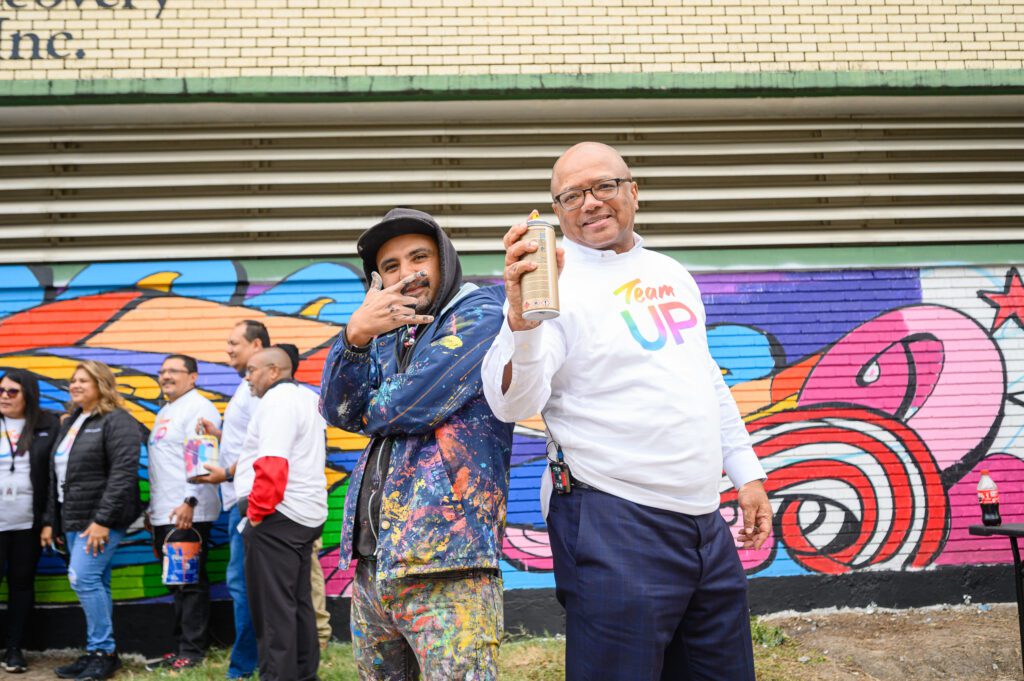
{"points": [[100, 666], [73, 669], [14, 661], [165, 662]]}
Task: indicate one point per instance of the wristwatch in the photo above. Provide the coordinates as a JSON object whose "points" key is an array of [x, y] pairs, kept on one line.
{"points": [[191, 501], [229, 475]]}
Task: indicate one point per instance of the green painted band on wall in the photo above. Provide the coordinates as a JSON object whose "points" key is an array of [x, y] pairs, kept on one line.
{"points": [[516, 86]]}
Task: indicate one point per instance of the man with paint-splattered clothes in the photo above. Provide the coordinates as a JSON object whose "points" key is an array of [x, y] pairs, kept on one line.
{"points": [[425, 512]]}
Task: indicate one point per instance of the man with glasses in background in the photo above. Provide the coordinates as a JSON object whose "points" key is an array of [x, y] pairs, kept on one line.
{"points": [[640, 424], [177, 504]]}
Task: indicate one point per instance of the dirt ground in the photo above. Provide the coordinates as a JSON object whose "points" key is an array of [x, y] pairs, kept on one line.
{"points": [[964, 642]]}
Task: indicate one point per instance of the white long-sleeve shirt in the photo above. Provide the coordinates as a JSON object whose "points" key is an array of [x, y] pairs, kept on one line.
{"points": [[168, 487], [626, 383]]}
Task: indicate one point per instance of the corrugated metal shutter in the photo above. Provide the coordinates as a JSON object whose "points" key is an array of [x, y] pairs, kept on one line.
{"points": [[260, 190]]}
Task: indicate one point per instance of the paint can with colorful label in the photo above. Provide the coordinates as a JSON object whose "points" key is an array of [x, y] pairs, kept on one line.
{"points": [[540, 287], [199, 450], [181, 557]]}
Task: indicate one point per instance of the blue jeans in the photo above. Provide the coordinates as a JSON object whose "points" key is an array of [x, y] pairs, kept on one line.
{"points": [[244, 656], [90, 578]]}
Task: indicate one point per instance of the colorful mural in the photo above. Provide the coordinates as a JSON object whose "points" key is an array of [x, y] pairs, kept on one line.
{"points": [[873, 397]]}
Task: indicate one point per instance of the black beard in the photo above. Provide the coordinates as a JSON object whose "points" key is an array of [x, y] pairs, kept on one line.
{"points": [[422, 306]]}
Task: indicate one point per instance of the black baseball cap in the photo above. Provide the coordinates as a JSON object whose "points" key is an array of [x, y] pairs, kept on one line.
{"points": [[397, 222]]}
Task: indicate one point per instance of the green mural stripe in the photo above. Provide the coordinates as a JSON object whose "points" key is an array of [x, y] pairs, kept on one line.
{"points": [[130, 582], [514, 86], [260, 270], [331, 535], [63, 273]]}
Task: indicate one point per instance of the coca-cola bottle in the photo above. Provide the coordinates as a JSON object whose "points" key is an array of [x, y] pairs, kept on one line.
{"points": [[988, 497]]}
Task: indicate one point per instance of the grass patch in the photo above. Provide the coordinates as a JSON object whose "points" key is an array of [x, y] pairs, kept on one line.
{"points": [[522, 658], [535, 659], [765, 635]]}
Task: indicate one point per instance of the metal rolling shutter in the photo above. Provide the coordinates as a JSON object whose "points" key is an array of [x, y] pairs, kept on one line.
{"points": [[280, 189]]}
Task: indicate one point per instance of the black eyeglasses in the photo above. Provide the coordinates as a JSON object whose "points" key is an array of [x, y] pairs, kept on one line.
{"points": [[10, 392], [605, 190]]}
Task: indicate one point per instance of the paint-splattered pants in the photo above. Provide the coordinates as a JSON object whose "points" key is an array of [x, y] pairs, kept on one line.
{"points": [[435, 627]]}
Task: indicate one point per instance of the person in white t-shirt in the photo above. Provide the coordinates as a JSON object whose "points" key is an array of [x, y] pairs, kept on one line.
{"points": [[180, 510], [246, 338], [26, 439], [282, 488], [640, 425]]}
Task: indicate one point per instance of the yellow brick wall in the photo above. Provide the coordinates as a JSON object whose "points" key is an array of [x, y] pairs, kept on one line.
{"points": [[228, 38]]}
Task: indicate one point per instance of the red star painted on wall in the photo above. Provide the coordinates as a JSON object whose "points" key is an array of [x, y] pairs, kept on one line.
{"points": [[1009, 303]]}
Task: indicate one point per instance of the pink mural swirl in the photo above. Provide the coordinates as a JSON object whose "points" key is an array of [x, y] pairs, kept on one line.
{"points": [[853, 488], [918, 364]]}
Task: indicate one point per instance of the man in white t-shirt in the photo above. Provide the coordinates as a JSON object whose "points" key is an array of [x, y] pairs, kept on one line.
{"points": [[641, 425], [245, 339], [178, 508], [282, 488]]}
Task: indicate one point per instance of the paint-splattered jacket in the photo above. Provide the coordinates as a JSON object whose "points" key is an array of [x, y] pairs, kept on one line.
{"points": [[443, 505]]}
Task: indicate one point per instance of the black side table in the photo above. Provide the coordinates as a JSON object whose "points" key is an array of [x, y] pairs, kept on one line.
{"points": [[1014, 532]]}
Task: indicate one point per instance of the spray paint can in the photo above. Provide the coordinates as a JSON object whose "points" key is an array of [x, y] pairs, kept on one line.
{"points": [[540, 287]]}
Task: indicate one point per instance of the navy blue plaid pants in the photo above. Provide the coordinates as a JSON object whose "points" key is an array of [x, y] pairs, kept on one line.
{"points": [[649, 594]]}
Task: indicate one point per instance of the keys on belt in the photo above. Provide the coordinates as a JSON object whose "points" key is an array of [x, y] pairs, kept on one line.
{"points": [[562, 479]]}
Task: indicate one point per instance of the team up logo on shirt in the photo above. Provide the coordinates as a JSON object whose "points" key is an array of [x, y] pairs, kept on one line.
{"points": [[667, 314]]}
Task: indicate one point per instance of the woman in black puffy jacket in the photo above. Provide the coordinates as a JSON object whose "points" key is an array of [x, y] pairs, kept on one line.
{"points": [[95, 478], [26, 438]]}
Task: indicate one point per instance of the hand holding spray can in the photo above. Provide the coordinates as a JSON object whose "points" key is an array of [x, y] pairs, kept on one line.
{"points": [[540, 287]]}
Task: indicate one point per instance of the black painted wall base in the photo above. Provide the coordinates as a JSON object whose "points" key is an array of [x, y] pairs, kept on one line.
{"points": [[146, 628]]}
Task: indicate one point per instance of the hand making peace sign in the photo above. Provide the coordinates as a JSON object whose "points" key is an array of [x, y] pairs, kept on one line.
{"points": [[384, 309]]}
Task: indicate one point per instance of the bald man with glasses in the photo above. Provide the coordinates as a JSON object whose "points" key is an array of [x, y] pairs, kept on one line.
{"points": [[640, 426], [282, 492]]}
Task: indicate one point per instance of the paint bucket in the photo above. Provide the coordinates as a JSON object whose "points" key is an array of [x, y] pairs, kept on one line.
{"points": [[181, 558], [199, 449]]}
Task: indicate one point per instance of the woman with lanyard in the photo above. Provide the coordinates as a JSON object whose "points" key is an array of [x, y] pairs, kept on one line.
{"points": [[26, 437], [95, 497]]}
